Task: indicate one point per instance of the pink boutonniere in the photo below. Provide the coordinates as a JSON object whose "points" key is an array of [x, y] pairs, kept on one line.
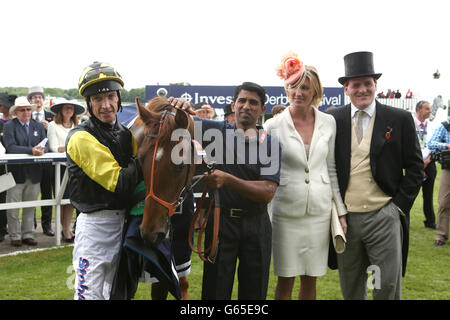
{"points": [[388, 133]]}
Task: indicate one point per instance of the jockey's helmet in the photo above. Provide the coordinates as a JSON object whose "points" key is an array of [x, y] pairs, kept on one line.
{"points": [[99, 77]]}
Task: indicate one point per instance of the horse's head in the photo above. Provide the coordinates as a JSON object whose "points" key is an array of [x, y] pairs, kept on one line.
{"points": [[166, 157]]}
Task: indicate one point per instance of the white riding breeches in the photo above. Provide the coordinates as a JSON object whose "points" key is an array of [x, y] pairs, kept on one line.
{"points": [[98, 238]]}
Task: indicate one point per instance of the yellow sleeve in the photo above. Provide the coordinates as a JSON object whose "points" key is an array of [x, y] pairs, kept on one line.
{"points": [[95, 159], [134, 145]]}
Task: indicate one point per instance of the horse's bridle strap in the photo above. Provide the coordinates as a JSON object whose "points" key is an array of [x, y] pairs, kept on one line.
{"points": [[171, 207]]}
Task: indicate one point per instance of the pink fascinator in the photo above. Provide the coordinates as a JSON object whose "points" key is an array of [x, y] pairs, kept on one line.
{"points": [[291, 68]]}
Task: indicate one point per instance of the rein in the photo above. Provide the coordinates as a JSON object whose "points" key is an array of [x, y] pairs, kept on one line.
{"points": [[212, 249]]}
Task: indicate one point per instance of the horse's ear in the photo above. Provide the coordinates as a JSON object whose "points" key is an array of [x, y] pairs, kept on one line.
{"points": [[144, 114], [181, 118]]}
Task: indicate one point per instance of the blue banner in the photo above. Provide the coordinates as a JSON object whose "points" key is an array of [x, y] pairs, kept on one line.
{"points": [[219, 96]]}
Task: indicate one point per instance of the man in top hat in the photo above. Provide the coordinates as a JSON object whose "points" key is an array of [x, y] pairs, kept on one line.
{"points": [[229, 114], [6, 102], [23, 135], [374, 144], [36, 96]]}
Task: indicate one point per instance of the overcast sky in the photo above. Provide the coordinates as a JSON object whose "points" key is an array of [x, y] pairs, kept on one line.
{"points": [[213, 42]]}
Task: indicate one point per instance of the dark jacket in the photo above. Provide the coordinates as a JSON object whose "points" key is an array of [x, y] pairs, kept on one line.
{"points": [[16, 140], [103, 170], [390, 154]]}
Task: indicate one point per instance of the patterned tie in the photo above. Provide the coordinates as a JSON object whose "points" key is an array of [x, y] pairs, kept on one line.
{"points": [[359, 127], [27, 129]]}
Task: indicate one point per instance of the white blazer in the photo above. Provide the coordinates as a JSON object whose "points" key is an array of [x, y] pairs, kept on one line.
{"points": [[307, 185], [57, 135]]}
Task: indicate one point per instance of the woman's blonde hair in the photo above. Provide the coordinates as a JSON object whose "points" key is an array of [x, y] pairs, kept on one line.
{"points": [[313, 76]]}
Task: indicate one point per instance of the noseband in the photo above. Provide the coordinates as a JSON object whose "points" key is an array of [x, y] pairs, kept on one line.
{"points": [[171, 207]]}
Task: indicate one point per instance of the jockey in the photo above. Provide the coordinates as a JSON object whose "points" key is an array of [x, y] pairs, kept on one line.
{"points": [[103, 173]]}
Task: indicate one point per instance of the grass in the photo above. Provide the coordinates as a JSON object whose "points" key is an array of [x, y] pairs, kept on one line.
{"points": [[48, 275]]}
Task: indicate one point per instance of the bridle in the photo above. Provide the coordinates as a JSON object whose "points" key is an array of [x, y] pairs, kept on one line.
{"points": [[170, 206]]}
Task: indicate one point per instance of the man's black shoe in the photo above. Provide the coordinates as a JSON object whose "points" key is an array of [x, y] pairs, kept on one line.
{"points": [[48, 232], [430, 225]]}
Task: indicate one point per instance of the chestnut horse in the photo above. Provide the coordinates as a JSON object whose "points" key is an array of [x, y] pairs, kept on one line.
{"points": [[166, 170]]}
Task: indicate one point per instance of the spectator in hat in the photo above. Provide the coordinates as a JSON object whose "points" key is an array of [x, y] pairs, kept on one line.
{"points": [[36, 96], [6, 102], [23, 135], [380, 170], [301, 207], [66, 118], [205, 111], [229, 114]]}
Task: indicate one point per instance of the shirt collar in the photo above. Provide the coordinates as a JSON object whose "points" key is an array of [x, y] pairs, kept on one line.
{"points": [[370, 110], [418, 122], [24, 123]]}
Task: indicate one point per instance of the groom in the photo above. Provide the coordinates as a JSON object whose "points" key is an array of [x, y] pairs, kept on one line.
{"points": [[374, 144]]}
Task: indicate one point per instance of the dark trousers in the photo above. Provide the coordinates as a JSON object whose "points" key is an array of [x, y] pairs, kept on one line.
{"points": [[3, 219], [47, 187], [427, 191], [249, 239]]}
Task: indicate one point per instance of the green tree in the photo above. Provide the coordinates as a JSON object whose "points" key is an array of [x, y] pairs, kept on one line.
{"points": [[127, 96]]}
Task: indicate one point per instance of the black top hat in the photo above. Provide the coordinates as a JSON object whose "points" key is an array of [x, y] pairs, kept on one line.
{"points": [[227, 110], [357, 65], [7, 100]]}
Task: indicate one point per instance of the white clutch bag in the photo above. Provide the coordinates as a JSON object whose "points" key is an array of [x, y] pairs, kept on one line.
{"points": [[7, 181], [337, 232]]}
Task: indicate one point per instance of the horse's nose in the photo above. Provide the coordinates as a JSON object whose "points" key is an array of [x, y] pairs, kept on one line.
{"points": [[153, 238]]}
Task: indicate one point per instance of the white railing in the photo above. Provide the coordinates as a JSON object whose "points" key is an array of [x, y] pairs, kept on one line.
{"points": [[57, 159], [405, 104]]}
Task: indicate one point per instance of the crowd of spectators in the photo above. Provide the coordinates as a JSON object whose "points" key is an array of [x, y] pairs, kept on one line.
{"points": [[26, 128], [391, 94]]}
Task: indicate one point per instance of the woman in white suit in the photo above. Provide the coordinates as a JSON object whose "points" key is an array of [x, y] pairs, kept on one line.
{"points": [[301, 207]]}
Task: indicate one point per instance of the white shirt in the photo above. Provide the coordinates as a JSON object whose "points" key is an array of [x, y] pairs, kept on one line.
{"points": [[41, 115], [368, 111]]}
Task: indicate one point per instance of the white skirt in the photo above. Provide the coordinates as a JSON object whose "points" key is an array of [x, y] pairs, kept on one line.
{"points": [[300, 245]]}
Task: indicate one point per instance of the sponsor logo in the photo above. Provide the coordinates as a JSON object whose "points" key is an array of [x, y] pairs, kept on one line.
{"points": [[83, 266]]}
